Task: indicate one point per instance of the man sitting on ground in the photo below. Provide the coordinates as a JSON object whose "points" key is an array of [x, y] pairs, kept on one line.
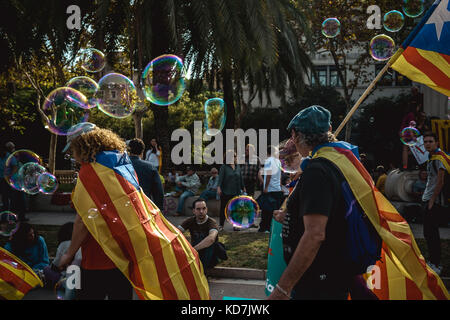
{"points": [[204, 234]]}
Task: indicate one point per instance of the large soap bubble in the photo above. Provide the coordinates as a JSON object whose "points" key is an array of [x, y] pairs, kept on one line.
{"points": [[413, 8], [215, 116], [92, 60], [86, 86], [331, 27], [65, 107], [13, 164], [242, 211], [163, 80], [28, 176], [382, 47], [393, 21], [117, 95]]}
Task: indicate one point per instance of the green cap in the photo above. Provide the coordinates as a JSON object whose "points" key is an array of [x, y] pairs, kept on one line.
{"points": [[312, 120]]}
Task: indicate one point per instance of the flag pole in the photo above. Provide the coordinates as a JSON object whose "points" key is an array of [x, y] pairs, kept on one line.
{"points": [[363, 96]]}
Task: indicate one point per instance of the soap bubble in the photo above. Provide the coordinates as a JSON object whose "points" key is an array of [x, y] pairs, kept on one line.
{"points": [[393, 21], [163, 80], [92, 60], [409, 136], [47, 183], [215, 116], [86, 86], [331, 27], [13, 164], [9, 223], [29, 174], [290, 158], [117, 95], [64, 108], [413, 8], [241, 211], [93, 213], [382, 47]]}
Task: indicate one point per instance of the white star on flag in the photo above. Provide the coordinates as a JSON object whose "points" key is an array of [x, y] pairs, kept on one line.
{"points": [[439, 17]]}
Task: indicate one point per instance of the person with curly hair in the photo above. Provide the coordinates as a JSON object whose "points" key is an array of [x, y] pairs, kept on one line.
{"points": [[100, 277]]}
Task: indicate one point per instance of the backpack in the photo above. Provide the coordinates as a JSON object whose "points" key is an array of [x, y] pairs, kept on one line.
{"points": [[363, 241]]}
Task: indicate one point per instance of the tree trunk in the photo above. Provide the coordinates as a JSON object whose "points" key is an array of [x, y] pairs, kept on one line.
{"points": [[228, 97], [52, 153], [138, 129]]}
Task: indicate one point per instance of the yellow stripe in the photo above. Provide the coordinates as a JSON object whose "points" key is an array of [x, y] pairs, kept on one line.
{"points": [[410, 265], [31, 277], [397, 286], [436, 59], [9, 292], [407, 69]]}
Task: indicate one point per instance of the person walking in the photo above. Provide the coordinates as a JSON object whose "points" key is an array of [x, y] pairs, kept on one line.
{"points": [[230, 185]]}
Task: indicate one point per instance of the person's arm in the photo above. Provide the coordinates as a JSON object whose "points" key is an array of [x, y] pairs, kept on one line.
{"points": [[221, 179], [438, 188], [157, 191], [304, 255], [208, 241], [79, 235], [43, 259]]}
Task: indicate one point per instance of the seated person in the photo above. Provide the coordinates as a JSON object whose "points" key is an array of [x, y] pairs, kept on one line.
{"points": [[148, 176], [188, 185], [30, 247], [381, 178], [204, 234], [211, 187], [419, 185]]}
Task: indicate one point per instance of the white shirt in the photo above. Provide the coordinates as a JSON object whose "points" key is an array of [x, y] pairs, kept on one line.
{"points": [[272, 168], [153, 158]]}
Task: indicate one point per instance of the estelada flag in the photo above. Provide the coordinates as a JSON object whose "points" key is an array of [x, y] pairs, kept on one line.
{"points": [[442, 157], [425, 55], [16, 277], [403, 271], [154, 255]]}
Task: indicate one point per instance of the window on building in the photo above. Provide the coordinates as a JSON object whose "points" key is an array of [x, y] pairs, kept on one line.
{"points": [[335, 81], [321, 75], [391, 78]]}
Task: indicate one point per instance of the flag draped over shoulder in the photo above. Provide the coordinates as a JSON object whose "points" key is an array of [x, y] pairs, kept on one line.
{"points": [[425, 55], [404, 272], [442, 157], [16, 277], [154, 255]]}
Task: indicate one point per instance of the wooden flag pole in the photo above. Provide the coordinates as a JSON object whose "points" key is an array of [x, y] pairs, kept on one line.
{"points": [[361, 99]]}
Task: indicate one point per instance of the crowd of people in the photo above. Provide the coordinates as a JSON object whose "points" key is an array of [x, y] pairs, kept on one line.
{"points": [[313, 215]]}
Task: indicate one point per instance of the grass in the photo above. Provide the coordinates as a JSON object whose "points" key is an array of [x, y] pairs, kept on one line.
{"points": [[244, 249]]}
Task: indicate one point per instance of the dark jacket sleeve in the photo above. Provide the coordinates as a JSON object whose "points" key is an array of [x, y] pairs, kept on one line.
{"points": [[157, 192]]}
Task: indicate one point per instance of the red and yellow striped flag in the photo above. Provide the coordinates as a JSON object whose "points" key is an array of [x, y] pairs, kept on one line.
{"points": [[154, 255], [16, 277], [442, 157], [425, 55], [404, 272]]}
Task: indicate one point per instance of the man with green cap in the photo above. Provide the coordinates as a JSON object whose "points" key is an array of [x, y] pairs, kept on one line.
{"points": [[314, 222]]}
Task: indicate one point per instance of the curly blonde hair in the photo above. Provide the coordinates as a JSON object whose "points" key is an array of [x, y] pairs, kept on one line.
{"points": [[89, 144]]}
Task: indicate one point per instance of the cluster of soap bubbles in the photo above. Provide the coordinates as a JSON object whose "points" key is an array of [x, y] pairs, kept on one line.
{"points": [[24, 172], [114, 94], [382, 46], [409, 135], [242, 211], [9, 223]]}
